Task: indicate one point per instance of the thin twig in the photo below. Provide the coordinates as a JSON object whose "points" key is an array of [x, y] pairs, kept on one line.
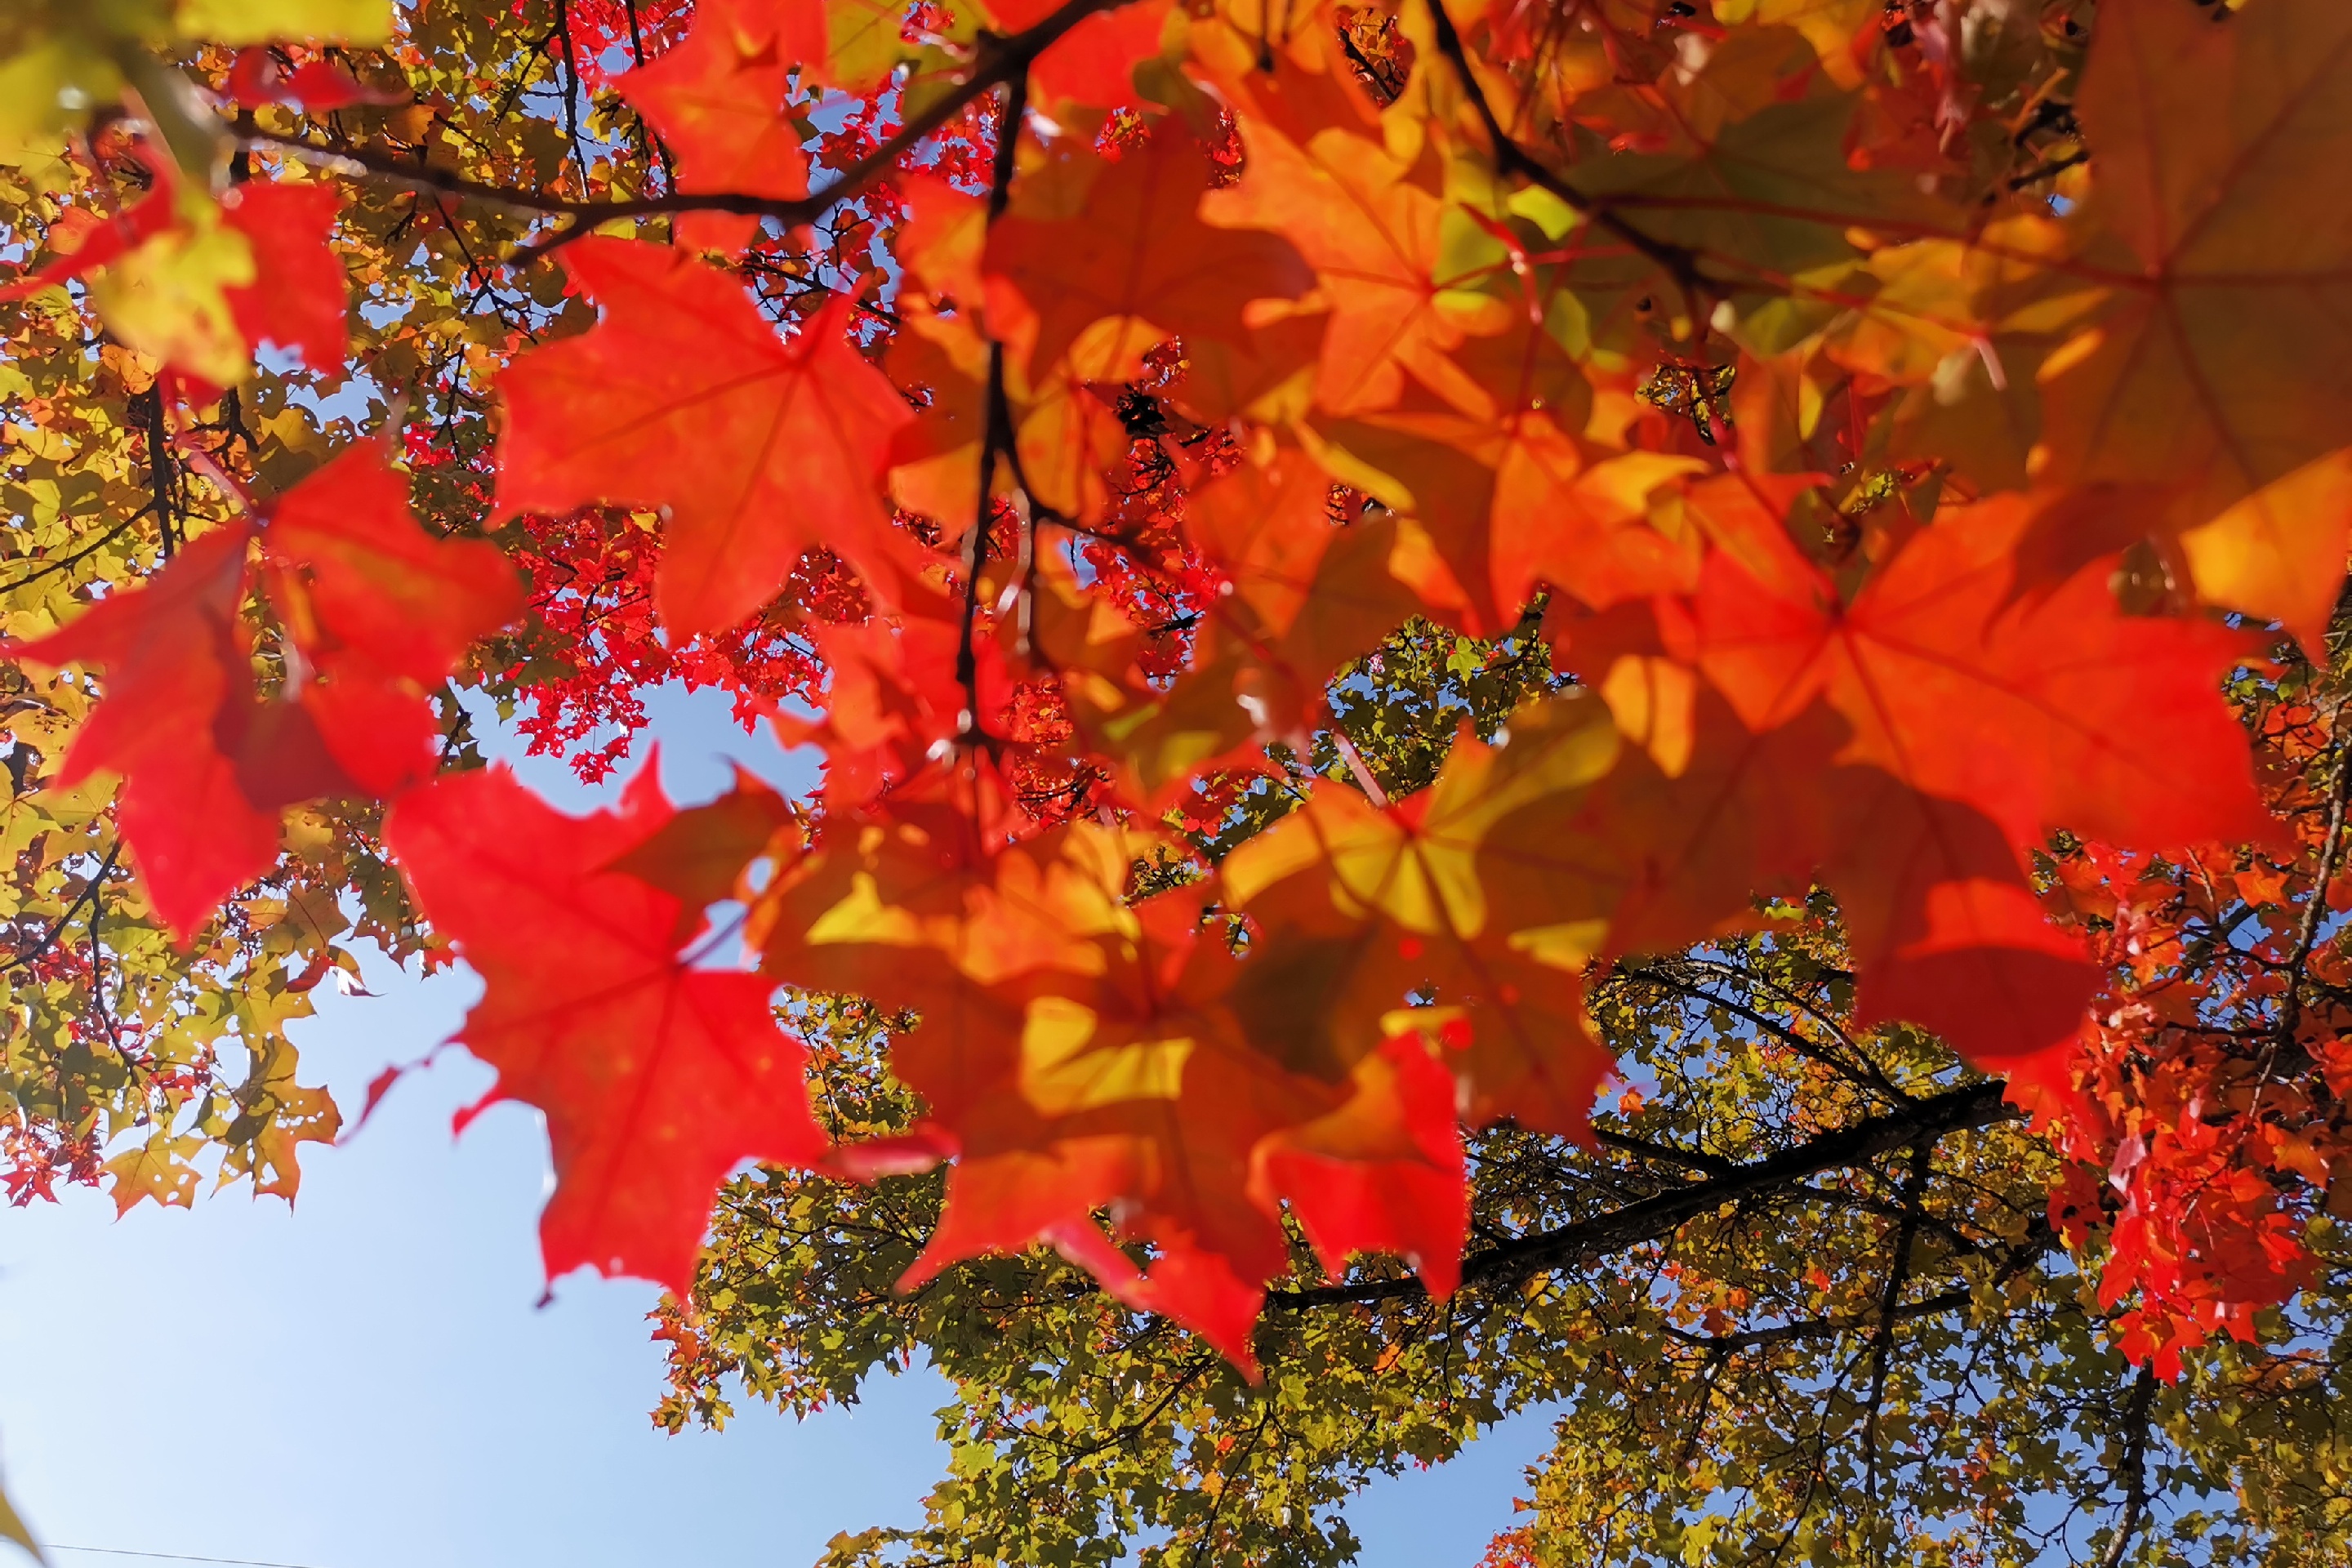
{"points": [[58, 928], [1678, 262]]}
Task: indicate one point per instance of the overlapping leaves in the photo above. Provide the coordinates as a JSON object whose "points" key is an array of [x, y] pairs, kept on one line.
{"points": [[1178, 421]]}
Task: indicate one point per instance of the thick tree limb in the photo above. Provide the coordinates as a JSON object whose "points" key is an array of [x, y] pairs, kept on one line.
{"points": [[1954, 1111], [2134, 1469]]}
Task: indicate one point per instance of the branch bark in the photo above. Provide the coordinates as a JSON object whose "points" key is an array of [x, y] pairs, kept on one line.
{"points": [[1898, 1274], [1954, 1111], [996, 427], [2134, 1469]]}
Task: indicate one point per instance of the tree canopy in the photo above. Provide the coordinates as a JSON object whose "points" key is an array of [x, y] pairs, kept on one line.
{"points": [[1628, 707]]}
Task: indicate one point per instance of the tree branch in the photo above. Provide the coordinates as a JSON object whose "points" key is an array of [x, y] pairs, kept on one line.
{"points": [[1000, 61], [2134, 1469], [1954, 1111], [1863, 1074], [996, 426], [2039, 1239], [1665, 1154], [1676, 261], [58, 928], [1898, 1274]]}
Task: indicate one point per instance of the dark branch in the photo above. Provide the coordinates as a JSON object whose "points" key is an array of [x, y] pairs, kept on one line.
{"points": [[996, 425], [89, 895], [1678, 262], [1650, 1219], [1665, 1154], [1000, 60], [2134, 1469], [1899, 1275]]}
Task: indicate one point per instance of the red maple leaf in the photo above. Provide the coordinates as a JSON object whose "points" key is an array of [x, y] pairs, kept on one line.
{"points": [[657, 1078], [684, 397]]}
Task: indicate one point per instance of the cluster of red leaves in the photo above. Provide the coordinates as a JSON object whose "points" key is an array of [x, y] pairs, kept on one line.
{"points": [[589, 574], [38, 1158], [2214, 1071], [1511, 1549], [634, 30], [1898, 711]]}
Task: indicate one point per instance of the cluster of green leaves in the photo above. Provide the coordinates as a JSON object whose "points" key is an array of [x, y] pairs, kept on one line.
{"points": [[120, 1049]]}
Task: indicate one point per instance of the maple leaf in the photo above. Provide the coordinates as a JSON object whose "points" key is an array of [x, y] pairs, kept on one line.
{"points": [[1071, 1053], [895, 701], [1947, 934], [2272, 554], [1300, 597], [1068, 433], [1841, 31], [1585, 528], [657, 1078], [792, 437], [2061, 713], [299, 298], [200, 285], [1092, 63], [1359, 218], [2215, 359], [702, 855], [1081, 1050], [1432, 895], [1510, 502], [359, 22], [382, 611], [378, 608], [276, 1116], [1384, 1172], [178, 686], [319, 86], [1705, 814], [1122, 242], [935, 457], [865, 40], [716, 101], [159, 1170]]}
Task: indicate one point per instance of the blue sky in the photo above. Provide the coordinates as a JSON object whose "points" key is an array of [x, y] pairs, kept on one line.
{"points": [[366, 1381]]}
